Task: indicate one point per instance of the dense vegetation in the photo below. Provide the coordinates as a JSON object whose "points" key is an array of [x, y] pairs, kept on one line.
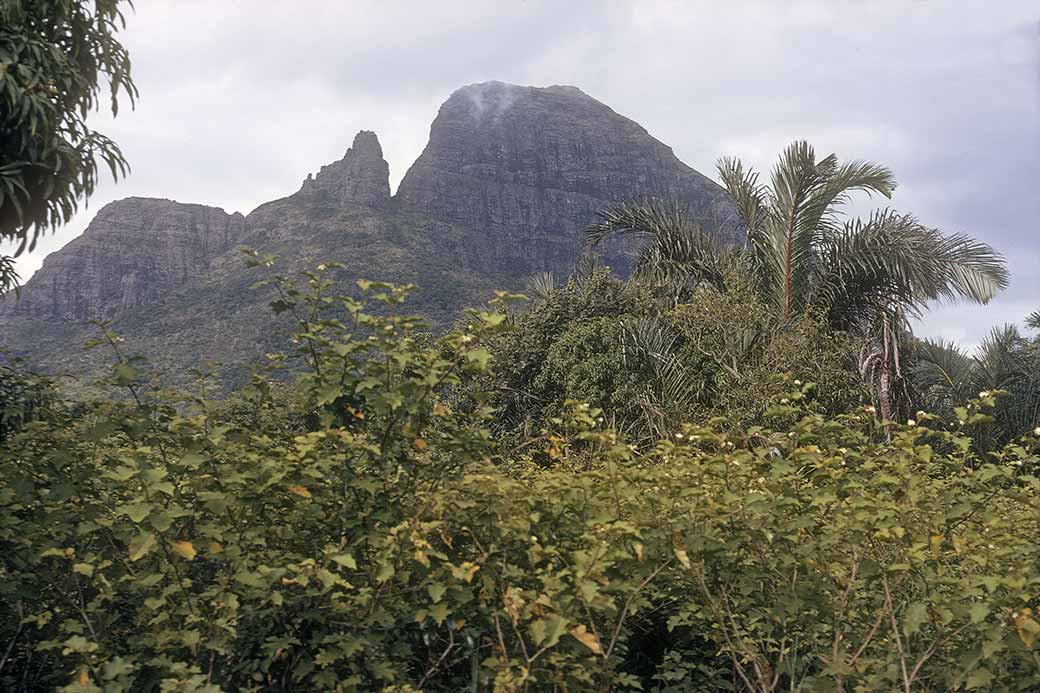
{"points": [[716, 475], [378, 523]]}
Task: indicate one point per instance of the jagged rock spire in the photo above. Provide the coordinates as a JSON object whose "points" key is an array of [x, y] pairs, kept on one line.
{"points": [[361, 177]]}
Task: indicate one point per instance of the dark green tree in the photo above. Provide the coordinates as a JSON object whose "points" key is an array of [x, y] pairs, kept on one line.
{"points": [[24, 396], [943, 378], [58, 60]]}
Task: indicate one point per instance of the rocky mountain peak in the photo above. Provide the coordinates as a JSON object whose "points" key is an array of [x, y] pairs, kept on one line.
{"points": [[361, 177], [534, 165]]}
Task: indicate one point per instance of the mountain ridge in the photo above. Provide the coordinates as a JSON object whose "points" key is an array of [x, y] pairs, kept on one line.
{"points": [[509, 177]]}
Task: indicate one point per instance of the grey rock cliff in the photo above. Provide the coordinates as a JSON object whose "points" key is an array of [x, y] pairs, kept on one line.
{"points": [[531, 167], [362, 176], [132, 253]]}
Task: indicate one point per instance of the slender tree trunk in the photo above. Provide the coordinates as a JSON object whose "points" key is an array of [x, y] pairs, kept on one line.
{"points": [[886, 377], [885, 391]]}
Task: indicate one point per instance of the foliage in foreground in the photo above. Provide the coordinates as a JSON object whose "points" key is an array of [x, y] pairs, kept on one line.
{"points": [[379, 539], [23, 395]]}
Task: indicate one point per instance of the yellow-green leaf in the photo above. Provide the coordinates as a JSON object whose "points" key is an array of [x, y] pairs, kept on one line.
{"points": [[586, 638], [141, 545], [345, 560], [385, 572], [546, 632], [439, 612], [184, 549], [479, 356], [436, 591]]}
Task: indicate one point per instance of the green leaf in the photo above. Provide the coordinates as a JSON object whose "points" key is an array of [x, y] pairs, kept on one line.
{"points": [[546, 632], [140, 545], [479, 356], [916, 615], [137, 512], [79, 644], [385, 572], [980, 678], [124, 374], [978, 612], [345, 560], [439, 612], [436, 591]]}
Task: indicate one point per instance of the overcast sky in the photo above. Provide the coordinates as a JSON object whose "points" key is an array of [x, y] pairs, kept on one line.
{"points": [[240, 100]]}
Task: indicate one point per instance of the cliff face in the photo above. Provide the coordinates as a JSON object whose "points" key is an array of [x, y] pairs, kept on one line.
{"points": [[132, 254], [531, 167]]}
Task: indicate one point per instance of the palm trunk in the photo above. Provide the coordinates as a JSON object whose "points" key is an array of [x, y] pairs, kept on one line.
{"points": [[886, 376], [885, 392]]}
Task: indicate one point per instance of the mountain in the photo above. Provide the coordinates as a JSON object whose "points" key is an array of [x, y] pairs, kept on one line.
{"points": [[133, 253], [509, 178], [531, 167]]}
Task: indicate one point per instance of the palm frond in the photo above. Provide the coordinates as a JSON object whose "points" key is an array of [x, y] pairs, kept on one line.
{"points": [[675, 384], [893, 259], [787, 249], [943, 376], [9, 279], [1033, 320], [541, 286], [999, 358], [971, 269], [855, 176], [648, 217], [941, 364], [751, 198], [678, 252]]}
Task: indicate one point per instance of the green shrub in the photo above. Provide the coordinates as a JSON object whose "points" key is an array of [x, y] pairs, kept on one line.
{"points": [[743, 349], [23, 397], [367, 535], [568, 346]]}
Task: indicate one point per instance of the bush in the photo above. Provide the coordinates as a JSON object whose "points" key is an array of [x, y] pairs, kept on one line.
{"points": [[391, 543], [23, 397], [568, 346], [744, 349], [651, 365]]}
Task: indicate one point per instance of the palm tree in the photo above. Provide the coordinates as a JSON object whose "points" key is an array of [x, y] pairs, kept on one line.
{"points": [[944, 377], [869, 276]]}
